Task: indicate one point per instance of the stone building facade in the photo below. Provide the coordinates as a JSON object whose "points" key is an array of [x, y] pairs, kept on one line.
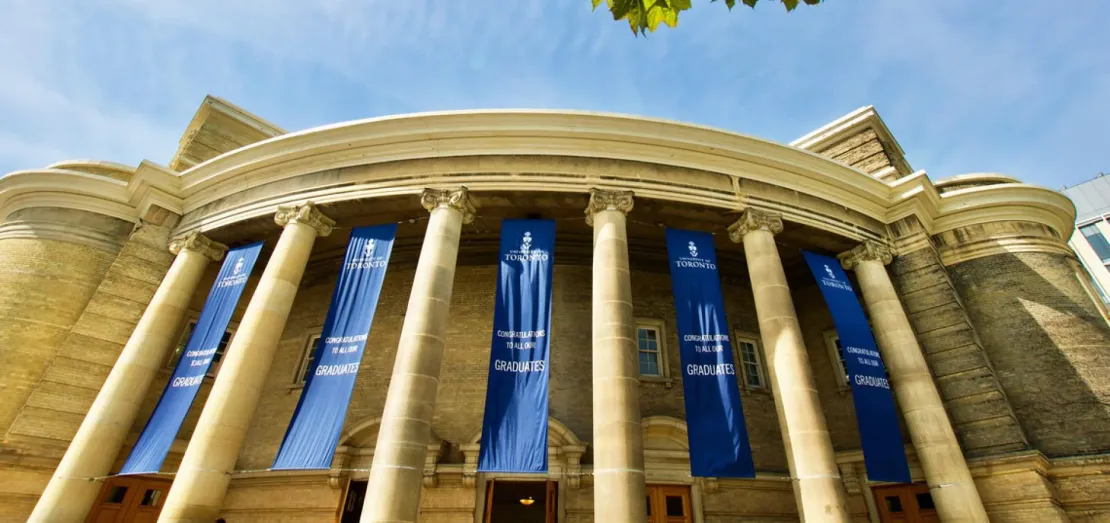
{"points": [[995, 340]]}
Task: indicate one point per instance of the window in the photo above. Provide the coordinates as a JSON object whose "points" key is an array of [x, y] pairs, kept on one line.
{"points": [[647, 339], [666, 503], [652, 346], [749, 358], [1097, 241], [117, 495], [151, 498], [220, 349], [836, 355], [1090, 284], [308, 360]]}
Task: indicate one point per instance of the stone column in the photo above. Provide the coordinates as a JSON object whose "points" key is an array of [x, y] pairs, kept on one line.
{"points": [[201, 482], [397, 472], [618, 442], [70, 494], [950, 482], [818, 489]]}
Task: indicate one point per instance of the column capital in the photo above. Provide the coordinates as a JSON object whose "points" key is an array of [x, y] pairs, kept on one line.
{"points": [[306, 214], [197, 242], [603, 200], [869, 250], [755, 220], [458, 199]]}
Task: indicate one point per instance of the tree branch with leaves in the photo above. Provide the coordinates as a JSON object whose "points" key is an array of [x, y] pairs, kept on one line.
{"points": [[646, 15]]}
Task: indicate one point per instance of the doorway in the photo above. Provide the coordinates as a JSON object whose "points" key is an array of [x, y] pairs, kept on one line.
{"points": [[669, 504], [521, 501], [129, 499], [910, 503], [351, 509]]}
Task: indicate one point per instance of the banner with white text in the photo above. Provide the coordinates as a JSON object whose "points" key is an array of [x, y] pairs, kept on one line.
{"points": [[883, 451], [514, 429], [715, 426], [200, 351], [313, 433]]}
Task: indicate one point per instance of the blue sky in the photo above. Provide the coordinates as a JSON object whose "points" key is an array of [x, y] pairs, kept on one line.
{"points": [[965, 86]]}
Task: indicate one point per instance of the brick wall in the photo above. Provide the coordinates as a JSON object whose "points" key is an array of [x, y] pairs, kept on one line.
{"points": [[45, 285], [261, 496], [863, 151], [460, 402], [1049, 345], [974, 398]]}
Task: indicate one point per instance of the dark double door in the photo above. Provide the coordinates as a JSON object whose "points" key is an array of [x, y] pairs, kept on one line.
{"points": [[910, 503], [130, 499]]}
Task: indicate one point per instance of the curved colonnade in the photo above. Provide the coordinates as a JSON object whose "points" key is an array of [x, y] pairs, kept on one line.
{"points": [[508, 161]]}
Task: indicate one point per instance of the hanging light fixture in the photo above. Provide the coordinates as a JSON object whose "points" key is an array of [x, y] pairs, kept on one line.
{"points": [[527, 501]]}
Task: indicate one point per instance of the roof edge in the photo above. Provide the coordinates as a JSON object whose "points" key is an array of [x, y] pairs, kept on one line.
{"points": [[853, 123]]}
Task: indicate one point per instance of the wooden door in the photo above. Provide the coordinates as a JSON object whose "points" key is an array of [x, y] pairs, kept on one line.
{"points": [[905, 504], [552, 501], [130, 499], [669, 504]]}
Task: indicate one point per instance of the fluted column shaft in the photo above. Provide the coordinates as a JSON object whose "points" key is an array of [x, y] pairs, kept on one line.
{"points": [[201, 482], [818, 489], [396, 475], [70, 494], [938, 450], [619, 491]]}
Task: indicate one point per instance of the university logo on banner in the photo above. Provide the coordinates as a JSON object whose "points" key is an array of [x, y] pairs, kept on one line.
{"points": [[883, 452], [514, 428], [313, 433], [715, 425], [154, 443]]}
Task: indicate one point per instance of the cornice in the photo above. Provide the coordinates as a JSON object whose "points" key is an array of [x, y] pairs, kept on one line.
{"points": [[38, 229], [916, 195], [484, 133], [66, 189], [470, 136], [111, 169], [150, 184]]}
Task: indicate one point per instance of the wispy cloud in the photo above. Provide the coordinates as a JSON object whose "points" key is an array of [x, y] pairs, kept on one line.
{"points": [[964, 86]]}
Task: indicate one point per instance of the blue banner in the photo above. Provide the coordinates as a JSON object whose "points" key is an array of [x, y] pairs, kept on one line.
{"points": [[314, 431], [883, 453], [154, 443], [714, 417], [514, 430]]}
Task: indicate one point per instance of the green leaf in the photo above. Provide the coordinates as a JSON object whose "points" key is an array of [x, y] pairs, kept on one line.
{"points": [[621, 8], [655, 15], [644, 16]]}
